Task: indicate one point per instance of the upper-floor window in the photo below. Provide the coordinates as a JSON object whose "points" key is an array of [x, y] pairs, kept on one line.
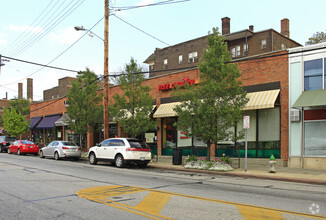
{"points": [[165, 63], [314, 75], [193, 57], [238, 51], [151, 67], [233, 52], [245, 49], [180, 59], [263, 44], [283, 46]]}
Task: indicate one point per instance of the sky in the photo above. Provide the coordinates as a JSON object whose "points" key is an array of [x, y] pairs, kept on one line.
{"points": [[43, 32]]}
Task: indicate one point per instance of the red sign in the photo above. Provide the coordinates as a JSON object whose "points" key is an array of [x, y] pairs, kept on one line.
{"points": [[175, 84]]}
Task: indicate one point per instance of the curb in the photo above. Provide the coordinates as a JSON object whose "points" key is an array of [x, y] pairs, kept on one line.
{"points": [[236, 174]]}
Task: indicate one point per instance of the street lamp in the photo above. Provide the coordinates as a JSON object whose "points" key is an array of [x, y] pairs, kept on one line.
{"points": [[91, 34], [106, 66]]}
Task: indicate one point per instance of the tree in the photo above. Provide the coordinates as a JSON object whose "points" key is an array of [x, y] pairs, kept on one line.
{"points": [[84, 108], [208, 110], [132, 109], [316, 38], [20, 105], [14, 123]]}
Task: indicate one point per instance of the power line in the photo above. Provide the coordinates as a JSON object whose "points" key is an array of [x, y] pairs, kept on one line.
{"points": [[148, 5], [140, 30], [59, 55], [38, 64]]}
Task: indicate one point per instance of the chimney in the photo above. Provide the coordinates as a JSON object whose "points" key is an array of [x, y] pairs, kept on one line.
{"points": [[285, 30], [225, 25], [20, 90], [29, 88], [251, 28]]}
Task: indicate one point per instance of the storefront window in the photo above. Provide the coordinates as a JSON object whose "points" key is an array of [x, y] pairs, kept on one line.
{"points": [[183, 140], [315, 141], [269, 128], [169, 133]]}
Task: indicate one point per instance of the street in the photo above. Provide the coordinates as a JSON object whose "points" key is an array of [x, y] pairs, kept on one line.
{"points": [[34, 188]]}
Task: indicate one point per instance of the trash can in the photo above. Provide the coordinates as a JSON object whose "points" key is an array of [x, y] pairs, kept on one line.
{"points": [[177, 156]]}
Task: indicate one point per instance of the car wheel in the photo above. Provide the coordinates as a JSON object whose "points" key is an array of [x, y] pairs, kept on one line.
{"points": [[119, 161], [56, 156], [41, 154], [9, 152], [18, 152], [0, 149], [142, 165], [92, 159]]}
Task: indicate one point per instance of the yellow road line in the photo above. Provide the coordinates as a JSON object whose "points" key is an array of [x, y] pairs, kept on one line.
{"points": [[154, 202], [249, 213], [99, 194]]}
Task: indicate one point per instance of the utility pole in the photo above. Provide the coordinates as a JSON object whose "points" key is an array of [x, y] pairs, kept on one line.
{"points": [[106, 70]]}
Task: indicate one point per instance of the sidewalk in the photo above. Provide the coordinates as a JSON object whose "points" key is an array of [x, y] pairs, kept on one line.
{"points": [[254, 170]]}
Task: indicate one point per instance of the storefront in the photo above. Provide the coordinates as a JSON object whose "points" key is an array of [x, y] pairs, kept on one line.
{"points": [[308, 107], [46, 130], [264, 138]]}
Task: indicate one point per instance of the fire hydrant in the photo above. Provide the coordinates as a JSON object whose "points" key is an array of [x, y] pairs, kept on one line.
{"points": [[272, 164]]}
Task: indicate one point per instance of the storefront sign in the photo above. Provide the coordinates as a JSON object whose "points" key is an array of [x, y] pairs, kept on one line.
{"points": [[150, 137], [175, 84]]}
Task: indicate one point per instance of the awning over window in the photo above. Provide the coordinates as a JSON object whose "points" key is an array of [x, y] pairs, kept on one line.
{"points": [[312, 98], [166, 110], [48, 122], [63, 121], [261, 100], [34, 122], [129, 113]]}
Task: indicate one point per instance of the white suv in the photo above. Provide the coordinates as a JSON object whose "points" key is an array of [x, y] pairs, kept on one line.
{"points": [[121, 151]]}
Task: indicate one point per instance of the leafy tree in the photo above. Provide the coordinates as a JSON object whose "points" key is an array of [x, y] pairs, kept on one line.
{"points": [[14, 123], [208, 110], [132, 108], [20, 105], [316, 38], [84, 108]]}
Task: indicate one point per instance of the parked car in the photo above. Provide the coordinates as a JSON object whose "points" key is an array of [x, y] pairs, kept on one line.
{"points": [[5, 142], [61, 149], [23, 147], [121, 151]]}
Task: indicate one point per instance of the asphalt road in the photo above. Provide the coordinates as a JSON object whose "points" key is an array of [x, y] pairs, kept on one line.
{"points": [[34, 188]]}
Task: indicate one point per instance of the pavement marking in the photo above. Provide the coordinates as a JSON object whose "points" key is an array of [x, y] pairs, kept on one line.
{"points": [[156, 200], [258, 213]]}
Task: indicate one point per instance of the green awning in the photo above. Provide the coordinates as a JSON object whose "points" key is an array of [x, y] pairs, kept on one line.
{"points": [[312, 98]]}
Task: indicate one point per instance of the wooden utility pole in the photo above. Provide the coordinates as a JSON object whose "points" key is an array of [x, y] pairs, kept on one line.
{"points": [[106, 70]]}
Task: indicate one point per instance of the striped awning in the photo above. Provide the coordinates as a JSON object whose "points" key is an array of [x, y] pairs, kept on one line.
{"points": [[261, 100], [166, 110]]}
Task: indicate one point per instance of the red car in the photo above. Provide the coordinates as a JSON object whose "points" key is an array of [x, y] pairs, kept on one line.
{"points": [[23, 147]]}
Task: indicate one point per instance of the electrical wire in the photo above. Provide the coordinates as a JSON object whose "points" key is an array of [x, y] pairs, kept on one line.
{"points": [[140, 30], [148, 5], [57, 22]]}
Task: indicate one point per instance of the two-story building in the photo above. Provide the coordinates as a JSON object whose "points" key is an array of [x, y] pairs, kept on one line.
{"points": [[307, 104]]}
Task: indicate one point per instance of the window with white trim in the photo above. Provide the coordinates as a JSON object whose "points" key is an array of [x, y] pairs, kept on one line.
{"points": [[245, 49], [165, 63], [180, 59], [233, 52], [314, 74], [263, 44], [238, 51], [193, 57]]}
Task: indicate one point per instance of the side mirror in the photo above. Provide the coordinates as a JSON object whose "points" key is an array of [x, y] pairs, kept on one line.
{"points": [[98, 145]]}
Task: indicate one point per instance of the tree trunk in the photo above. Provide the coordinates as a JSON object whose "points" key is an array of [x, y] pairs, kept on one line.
{"points": [[208, 150]]}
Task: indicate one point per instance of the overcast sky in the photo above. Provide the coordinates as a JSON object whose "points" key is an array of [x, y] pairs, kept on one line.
{"points": [[43, 32]]}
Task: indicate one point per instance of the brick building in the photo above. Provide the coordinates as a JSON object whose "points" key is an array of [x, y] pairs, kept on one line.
{"points": [[60, 90], [244, 43]]}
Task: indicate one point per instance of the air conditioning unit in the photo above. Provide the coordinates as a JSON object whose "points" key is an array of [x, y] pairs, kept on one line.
{"points": [[295, 115]]}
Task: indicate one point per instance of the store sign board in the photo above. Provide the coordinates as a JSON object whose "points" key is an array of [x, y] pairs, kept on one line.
{"points": [[176, 84]]}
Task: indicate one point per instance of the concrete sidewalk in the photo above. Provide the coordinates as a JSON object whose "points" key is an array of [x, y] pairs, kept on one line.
{"points": [[255, 169]]}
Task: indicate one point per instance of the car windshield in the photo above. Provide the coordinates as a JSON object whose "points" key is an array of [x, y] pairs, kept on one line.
{"points": [[27, 142], [68, 143], [10, 139], [138, 144]]}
